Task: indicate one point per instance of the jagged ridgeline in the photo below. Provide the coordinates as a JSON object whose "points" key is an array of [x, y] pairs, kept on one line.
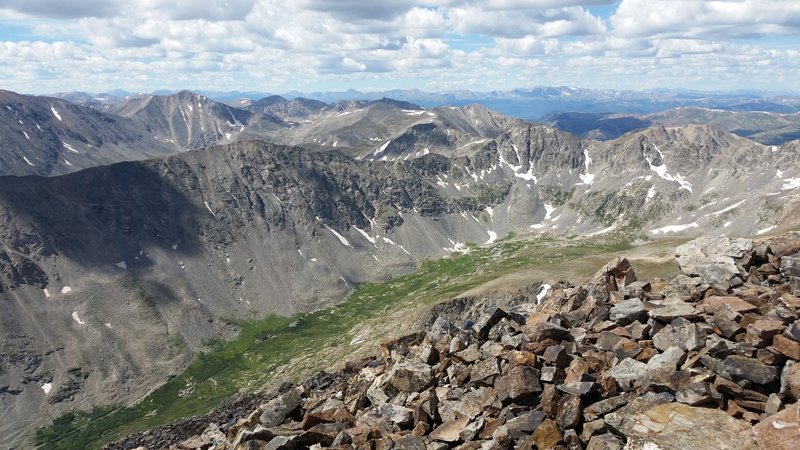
{"points": [[115, 278]]}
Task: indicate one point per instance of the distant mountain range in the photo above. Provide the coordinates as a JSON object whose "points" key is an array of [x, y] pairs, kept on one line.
{"points": [[97, 129], [769, 128], [528, 104]]}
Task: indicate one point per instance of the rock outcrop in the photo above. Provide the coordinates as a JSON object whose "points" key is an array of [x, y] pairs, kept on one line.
{"points": [[699, 361]]}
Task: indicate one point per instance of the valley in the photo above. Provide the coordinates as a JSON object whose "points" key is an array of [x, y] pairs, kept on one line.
{"points": [[130, 285], [292, 348]]}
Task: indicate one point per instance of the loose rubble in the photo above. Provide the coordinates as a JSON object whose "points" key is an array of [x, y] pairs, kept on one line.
{"points": [[708, 359]]}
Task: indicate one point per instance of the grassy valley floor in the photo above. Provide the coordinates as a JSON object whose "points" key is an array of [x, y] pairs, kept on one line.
{"points": [[278, 349]]}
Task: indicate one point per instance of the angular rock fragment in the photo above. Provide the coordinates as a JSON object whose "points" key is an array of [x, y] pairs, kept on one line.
{"points": [[628, 311], [547, 435], [278, 409], [628, 374], [713, 303], [606, 441], [520, 381], [779, 431], [410, 376], [668, 313], [751, 369], [449, 431], [524, 424]]}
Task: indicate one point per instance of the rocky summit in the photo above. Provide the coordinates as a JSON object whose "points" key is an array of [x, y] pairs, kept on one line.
{"points": [[706, 359]]}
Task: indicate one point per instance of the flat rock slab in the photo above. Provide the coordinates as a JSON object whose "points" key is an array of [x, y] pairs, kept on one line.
{"points": [[679, 426], [450, 431], [671, 312], [779, 431], [712, 258], [713, 303]]}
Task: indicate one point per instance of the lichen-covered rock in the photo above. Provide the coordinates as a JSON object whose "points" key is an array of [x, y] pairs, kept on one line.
{"points": [[678, 426]]}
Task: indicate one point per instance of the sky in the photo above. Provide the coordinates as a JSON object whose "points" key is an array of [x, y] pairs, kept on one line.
{"points": [[49, 46]]}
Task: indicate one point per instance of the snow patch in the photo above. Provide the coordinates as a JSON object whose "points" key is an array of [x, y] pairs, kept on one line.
{"points": [[542, 293], [28, 161], [766, 230], [457, 247], [707, 205], [122, 265], [46, 293], [791, 183], [47, 387], [727, 224], [108, 325], [721, 211], [55, 113], [69, 147], [342, 239], [661, 171], [674, 228], [366, 235], [650, 194], [480, 141], [77, 318], [528, 176], [549, 209], [66, 290], [587, 178], [391, 242], [381, 148], [209, 209], [473, 175], [67, 162], [603, 231], [492, 237], [26, 136]]}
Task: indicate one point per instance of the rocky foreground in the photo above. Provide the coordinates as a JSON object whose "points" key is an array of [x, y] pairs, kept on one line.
{"points": [[708, 359]]}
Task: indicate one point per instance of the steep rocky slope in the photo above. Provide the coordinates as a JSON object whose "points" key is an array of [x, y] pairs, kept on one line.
{"points": [[50, 136], [389, 130], [114, 276], [186, 120], [707, 359]]}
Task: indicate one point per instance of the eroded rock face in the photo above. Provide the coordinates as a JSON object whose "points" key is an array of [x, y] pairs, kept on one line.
{"points": [[643, 369]]}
